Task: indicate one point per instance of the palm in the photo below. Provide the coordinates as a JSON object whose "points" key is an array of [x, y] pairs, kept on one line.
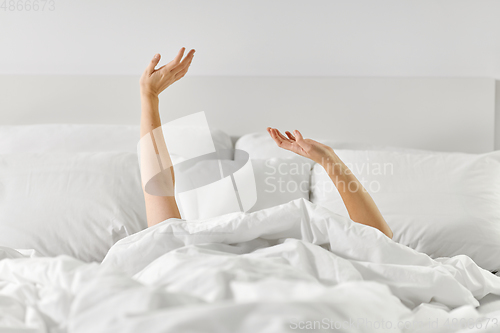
{"points": [[309, 148], [154, 81]]}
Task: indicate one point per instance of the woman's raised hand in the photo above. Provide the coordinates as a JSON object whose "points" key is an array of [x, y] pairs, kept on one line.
{"points": [[154, 81], [359, 203], [311, 149]]}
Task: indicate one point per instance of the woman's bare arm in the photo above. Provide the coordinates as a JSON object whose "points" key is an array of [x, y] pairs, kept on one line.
{"points": [[152, 83], [359, 203]]}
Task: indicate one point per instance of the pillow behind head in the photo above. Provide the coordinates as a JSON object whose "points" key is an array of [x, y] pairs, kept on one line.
{"points": [[280, 180], [212, 188]]}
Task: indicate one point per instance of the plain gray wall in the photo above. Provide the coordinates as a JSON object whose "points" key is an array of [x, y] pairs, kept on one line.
{"points": [[443, 38], [454, 114]]}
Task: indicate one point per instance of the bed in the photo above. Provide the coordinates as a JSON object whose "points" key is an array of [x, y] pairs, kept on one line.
{"points": [[76, 256]]}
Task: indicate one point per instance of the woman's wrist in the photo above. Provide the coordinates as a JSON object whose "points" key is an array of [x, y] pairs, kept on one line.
{"points": [[333, 165], [150, 103], [147, 95]]}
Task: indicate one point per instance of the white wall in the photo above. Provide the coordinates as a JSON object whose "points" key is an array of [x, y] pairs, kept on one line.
{"points": [[446, 114], [257, 37]]}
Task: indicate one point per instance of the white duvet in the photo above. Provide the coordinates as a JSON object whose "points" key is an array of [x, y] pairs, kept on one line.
{"points": [[290, 268]]}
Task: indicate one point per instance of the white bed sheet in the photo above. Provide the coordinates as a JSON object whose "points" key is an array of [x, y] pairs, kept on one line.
{"points": [[275, 270]]}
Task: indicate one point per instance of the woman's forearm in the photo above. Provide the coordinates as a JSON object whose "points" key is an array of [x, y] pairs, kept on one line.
{"points": [[359, 203], [158, 208], [150, 115]]}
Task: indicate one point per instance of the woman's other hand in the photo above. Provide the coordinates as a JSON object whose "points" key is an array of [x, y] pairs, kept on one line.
{"points": [[154, 81], [318, 152]]}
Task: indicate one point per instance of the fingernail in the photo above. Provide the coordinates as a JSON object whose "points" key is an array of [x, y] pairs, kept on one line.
{"points": [[157, 56]]}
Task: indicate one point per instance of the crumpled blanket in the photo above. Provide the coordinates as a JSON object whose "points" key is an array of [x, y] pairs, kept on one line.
{"points": [[294, 267]]}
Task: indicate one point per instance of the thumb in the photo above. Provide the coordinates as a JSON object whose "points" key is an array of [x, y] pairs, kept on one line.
{"points": [[300, 140], [153, 63]]}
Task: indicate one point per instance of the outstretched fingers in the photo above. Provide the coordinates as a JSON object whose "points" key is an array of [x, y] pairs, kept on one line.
{"points": [[151, 67], [284, 138], [298, 135], [180, 70], [274, 136], [300, 141], [177, 59], [278, 139]]}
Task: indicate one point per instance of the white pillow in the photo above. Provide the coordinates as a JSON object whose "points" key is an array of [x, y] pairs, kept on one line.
{"points": [[443, 204], [76, 204], [276, 181], [83, 138], [204, 189], [280, 180]]}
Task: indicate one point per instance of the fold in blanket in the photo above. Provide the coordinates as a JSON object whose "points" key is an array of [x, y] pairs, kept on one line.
{"points": [[280, 269]]}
